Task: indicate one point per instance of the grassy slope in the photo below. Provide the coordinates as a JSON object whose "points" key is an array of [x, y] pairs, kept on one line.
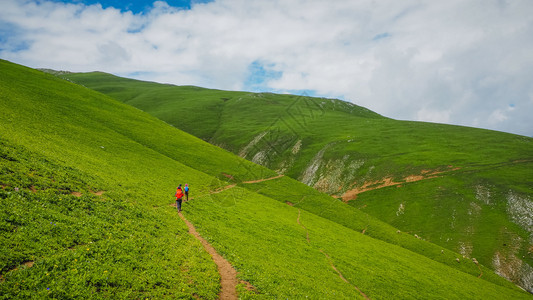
{"points": [[128, 242], [243, 105], [342, 147]]}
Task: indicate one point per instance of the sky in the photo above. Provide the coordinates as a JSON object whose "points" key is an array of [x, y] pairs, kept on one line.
{"points": [[463, 62]]}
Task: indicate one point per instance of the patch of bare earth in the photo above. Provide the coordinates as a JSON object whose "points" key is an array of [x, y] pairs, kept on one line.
{"points": [[97, 193], [219, 190], [77, 194], [368, 186], [265, 179], [228, 176], [24, 265], [389, 181]]}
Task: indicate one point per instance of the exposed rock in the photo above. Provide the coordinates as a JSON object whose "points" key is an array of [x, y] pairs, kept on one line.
{"points": [[251, 144], [401, 209]]}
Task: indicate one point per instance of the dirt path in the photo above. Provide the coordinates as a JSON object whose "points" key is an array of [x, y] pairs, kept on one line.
{"points": [[219, 190], [266, 179], [228, 275], [389, 181], [227, 187], [329, 259]]}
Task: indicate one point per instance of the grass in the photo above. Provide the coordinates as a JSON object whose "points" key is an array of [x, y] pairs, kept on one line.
{"points": [[379, 269], [122, 239], [90, 246], [335, 147]]}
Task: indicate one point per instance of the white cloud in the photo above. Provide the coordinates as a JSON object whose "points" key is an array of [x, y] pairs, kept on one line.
{"points": [[457, 61]]}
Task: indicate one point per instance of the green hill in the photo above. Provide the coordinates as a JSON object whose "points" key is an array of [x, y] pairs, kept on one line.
{"points": [[86, 194], [465, 189]]}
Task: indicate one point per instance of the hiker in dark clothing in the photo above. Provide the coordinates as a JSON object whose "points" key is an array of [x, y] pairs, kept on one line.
{"points": [[179, 197], [186, 192]]}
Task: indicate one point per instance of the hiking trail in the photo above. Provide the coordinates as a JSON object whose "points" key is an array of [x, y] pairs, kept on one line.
{"points": [[227, 187], [228, 275], [265, 179]]}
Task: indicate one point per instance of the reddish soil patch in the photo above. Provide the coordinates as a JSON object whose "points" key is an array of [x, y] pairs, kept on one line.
{"points": [[24, 265], [3, 186], [219, 190], [289, 203], [228, 275], [77, 194], [228, 176], [388, 181], [33, 189], [248, 286], [266, 179], [368, 186], [99, 193]]}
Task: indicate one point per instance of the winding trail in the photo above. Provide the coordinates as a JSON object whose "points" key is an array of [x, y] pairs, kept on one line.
{"points": [[480, 271], [330, 260], [265, 179], [228, 275], [219, 190], [227, 187]]}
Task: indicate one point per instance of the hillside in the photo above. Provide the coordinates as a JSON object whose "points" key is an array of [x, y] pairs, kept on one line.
{"points": [[86, 193], [465, 189]]}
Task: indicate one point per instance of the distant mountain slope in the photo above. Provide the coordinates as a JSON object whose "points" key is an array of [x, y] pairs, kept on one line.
{"points": [[468, 190]]}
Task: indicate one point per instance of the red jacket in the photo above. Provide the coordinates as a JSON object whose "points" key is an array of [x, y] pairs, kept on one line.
{"points": [[179, 194]]}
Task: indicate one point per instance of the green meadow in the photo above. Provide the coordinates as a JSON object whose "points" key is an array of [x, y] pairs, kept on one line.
{"points": [[86, 197], [464, 189]]}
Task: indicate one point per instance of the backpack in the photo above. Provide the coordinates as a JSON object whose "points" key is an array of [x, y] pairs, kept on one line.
{"points": [[186, 189], [179, 194]]}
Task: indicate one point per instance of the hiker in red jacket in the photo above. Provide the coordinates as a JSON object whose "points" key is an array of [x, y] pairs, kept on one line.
{"points": [[179, 197]]}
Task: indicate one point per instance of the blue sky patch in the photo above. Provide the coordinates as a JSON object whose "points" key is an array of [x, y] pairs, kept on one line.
{"points": [[135, 6], [381, 36], [259, 75], [10, 38]]}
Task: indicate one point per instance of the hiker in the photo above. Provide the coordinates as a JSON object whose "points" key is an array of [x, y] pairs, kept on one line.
{"points": [[186, 191], [179, 197]]}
